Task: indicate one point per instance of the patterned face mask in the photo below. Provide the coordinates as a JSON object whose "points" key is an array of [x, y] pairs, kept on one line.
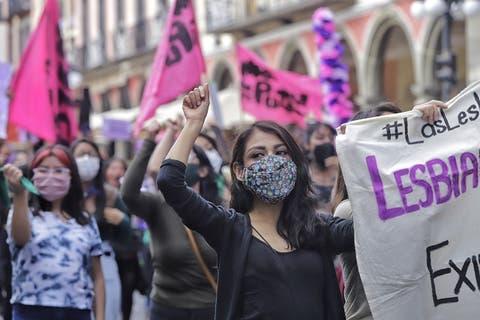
{"points": [[272, 178]]}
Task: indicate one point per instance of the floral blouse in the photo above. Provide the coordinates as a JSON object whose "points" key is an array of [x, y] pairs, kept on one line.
{"points": [[53, 268]]}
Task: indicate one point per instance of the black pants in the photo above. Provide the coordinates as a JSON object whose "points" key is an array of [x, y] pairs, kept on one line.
{"points": [[131, 278], [24, 312], [5, 277], [158, 312]]}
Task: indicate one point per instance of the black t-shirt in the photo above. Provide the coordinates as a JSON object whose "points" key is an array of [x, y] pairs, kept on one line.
{"points": [[279, 285]]}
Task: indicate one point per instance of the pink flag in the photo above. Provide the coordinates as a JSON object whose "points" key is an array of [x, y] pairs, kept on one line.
{"points": [[280, 96], [41, 100], [178, 64]]}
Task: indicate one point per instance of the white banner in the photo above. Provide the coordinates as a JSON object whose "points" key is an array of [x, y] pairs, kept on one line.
{"points": [[414, 189]]}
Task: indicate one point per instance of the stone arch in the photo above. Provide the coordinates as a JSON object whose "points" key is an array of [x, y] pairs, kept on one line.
{"points": [[293, 56], [389, 67]]}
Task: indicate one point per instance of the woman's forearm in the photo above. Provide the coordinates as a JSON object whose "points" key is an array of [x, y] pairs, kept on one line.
{"points": [[161, 151], [21, 229]]}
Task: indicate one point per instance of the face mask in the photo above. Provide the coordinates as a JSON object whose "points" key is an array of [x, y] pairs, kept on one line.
{"points": [[52, 186], [323, 152], [88, 167], [271, 178], [215, 159], [191, 174]]}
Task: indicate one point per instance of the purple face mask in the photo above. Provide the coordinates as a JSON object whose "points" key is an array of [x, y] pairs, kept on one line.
{"points": [[52, 184]]}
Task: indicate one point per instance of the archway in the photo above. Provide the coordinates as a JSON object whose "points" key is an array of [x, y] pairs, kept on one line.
{"points": [[390, 70]]}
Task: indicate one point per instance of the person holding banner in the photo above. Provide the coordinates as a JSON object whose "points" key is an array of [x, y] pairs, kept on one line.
{"points": [[182, 288], [55, 245], [356, 304], [274, 251]]}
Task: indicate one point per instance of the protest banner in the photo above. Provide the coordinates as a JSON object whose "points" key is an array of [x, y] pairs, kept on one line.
{"points": [[5, 74], [178, 64], [280, 96], [415, 195]]}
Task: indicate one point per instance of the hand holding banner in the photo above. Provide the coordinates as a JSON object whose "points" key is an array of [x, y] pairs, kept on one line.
{"points": [[416, 211]]}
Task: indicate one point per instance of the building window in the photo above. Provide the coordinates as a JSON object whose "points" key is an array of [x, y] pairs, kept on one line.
{"points": [[297, 63], [120, 13], [24, 33], [125, 98], [101, 19], [86, 36], [106, 102]]}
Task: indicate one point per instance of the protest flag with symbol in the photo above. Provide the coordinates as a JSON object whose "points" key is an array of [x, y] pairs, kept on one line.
{"points": [[41, 101], [280, 96], [178, 64]]}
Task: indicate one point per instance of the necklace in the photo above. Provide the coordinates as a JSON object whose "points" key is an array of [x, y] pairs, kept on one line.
{"points": [[265, 240]]}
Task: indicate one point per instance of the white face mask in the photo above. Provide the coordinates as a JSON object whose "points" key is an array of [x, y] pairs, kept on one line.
{"points": [[88, 167], [215, 159]]}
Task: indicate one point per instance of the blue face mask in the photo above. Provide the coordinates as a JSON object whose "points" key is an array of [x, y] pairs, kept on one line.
{"points": [[271, 178]]}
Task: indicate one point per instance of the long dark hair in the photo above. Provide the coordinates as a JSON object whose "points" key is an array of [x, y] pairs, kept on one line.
{"points": [[208, 184], [339, 192], [298, 220], [72, 203], [98, 182]]}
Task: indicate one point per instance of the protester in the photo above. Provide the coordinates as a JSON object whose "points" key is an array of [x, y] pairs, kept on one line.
{"points": [[275, 253], [323, 162], [210, 147], [55, 245], [131, 275], [103, 202], [181, 288], [114, 170], [356, 305]]}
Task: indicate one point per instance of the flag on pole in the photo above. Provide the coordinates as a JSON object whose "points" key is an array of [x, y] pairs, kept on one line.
{"points": [[178, 64], [41, 100]]}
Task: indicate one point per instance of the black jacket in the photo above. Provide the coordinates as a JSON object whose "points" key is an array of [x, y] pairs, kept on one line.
{"points": [[229, 233]]}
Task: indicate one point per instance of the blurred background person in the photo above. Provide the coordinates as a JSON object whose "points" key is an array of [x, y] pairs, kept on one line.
{"points": [[103, 202], [323, 163], [184, 264]]}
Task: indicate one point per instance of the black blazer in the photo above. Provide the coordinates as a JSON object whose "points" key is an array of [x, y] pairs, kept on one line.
{"points": [[229, 233]]}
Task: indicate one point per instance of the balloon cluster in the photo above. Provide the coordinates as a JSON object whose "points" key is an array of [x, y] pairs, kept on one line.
{"points": [[333, 73]]}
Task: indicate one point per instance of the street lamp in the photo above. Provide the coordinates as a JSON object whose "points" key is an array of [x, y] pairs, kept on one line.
{"points": [[448, 10]]}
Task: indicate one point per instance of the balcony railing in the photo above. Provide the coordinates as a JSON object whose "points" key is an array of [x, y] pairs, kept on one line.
{"points": [[18, 7], [231, 15], [95, 54], [124, 43]]}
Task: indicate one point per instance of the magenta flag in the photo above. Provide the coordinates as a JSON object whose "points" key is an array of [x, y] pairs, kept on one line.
{"points": [[41, 100], [178, 65], [280, 96]]}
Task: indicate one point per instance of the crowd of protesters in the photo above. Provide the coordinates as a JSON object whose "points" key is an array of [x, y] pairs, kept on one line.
{"points": [[204, 232]]}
